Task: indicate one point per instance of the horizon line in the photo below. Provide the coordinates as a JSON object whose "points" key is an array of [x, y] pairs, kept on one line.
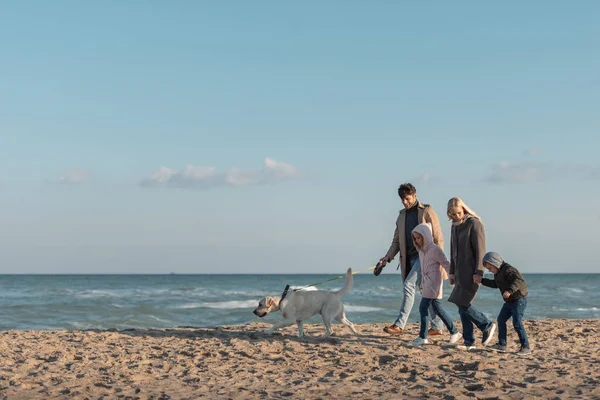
{"points": [[241, 273]]}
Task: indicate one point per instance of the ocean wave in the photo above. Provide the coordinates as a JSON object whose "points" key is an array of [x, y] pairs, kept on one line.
{"points": [[253, 293], [374, 292], [98, 293], [189, 305], [572, 290], [351, 308], [222, 304], [164, 321], [588, 309]]}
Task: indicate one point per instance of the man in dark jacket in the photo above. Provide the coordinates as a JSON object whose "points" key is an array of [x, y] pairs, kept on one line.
{"points": [[513, 288]]}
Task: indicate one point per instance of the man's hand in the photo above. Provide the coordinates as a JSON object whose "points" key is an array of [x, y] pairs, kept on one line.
{"points": [[477, 278], [506, 294], [421, 289], [380, 265], [451, 278]]}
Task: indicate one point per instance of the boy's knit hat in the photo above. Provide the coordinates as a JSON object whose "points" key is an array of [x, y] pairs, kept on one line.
{"points": [[493, 258]]}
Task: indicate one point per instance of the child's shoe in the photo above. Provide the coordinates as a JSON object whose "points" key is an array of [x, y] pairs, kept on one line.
{"points": [[488, 335], [419, 342], [455, 337], [524, 351], [499, 348]]}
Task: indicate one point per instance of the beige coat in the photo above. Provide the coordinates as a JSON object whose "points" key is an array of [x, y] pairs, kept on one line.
{"points": [[425, 213]]}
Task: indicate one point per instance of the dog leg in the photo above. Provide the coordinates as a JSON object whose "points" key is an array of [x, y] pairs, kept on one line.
{"points": [[280, 324], [327, 323], [342, 318], [300, 328]]}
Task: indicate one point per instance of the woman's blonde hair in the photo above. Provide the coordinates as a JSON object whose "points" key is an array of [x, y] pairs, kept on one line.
{"points": [[458, 202]]}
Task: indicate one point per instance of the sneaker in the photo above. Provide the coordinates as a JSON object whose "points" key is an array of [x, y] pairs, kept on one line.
{"points": [[434, 332], [466, 347], [455, 337], [393, 330], [419, 342], [524, 351], [489, 334], [499, 348]]}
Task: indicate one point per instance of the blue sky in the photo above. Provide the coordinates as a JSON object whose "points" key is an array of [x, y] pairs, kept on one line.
{"points": [[226, 137]]}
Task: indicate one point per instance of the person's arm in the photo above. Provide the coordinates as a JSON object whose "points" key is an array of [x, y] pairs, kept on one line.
{"points": [[478, 246], [441, 258], [452, 266], [394, 247], [436, 230], [489, 283], [515, 281]]}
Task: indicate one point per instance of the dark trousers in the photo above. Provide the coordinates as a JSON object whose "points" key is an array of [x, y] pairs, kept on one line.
{"points": [[439, 311], [469, 316], [516, 309]]}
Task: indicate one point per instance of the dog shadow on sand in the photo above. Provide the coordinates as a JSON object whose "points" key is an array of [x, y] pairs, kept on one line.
{"points": [[254, 332]]}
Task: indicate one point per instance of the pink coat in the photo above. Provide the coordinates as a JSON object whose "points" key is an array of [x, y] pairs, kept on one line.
{"points": [[435, 267]]}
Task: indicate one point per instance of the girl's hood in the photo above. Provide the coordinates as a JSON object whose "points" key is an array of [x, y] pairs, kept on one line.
{"points": [[424, 230]]}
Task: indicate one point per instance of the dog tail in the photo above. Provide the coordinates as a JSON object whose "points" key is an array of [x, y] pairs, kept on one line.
{"points": [[347, 285]]}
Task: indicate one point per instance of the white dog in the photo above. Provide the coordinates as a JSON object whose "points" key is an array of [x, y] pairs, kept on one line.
{"points": [[299, 306]]}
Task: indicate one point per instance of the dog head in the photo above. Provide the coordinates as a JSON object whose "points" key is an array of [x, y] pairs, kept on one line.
{"points": [[266, 305]]}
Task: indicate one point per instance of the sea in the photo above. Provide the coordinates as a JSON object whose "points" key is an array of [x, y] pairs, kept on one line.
{"points": [[78, 302]]}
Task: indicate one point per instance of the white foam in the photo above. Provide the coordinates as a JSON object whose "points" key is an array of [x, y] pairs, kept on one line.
{"points": [[223, 304], [573, 290], [351, 308], [164, 321], [588, 309], [243, 293], [98, 293]]}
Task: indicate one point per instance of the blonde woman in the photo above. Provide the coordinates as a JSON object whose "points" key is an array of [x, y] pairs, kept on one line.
{"points": [[467, 248]]}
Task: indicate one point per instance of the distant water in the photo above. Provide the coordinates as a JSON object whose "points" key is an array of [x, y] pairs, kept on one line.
{"points": [[47, 302]]}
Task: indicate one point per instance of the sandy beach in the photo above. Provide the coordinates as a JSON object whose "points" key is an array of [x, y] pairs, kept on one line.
{"points": [[240, 362]]}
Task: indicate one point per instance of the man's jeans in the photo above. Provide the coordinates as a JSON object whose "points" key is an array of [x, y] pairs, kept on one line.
{"points": [[515, 310], [424, 307], [468, 317], [411, 283]]}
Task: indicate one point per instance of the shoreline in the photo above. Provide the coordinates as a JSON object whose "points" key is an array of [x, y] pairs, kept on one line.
{"points": [[238, 361], [315, 323]]}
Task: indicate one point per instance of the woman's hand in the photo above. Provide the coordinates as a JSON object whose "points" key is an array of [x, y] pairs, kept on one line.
{"points": [[451, 276], [506, 294]]}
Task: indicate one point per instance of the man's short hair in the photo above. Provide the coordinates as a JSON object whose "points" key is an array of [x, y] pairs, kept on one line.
{"points": [[406, 189]]}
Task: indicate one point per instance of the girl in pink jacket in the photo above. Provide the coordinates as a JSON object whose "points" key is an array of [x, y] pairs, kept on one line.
{"points": [[434, 270]]}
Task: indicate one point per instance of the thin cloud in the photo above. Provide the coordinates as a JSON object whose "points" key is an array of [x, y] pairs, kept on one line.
{"points": [[193, 176], [506, 173], [532, 151], [190, 176], [74, 176], [424, 179]]}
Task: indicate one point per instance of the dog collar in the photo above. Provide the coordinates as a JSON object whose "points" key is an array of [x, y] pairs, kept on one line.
{"points": [[285, 292]]}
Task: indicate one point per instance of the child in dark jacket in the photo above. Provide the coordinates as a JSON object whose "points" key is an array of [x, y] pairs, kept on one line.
{"points": [[514, 291]]}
